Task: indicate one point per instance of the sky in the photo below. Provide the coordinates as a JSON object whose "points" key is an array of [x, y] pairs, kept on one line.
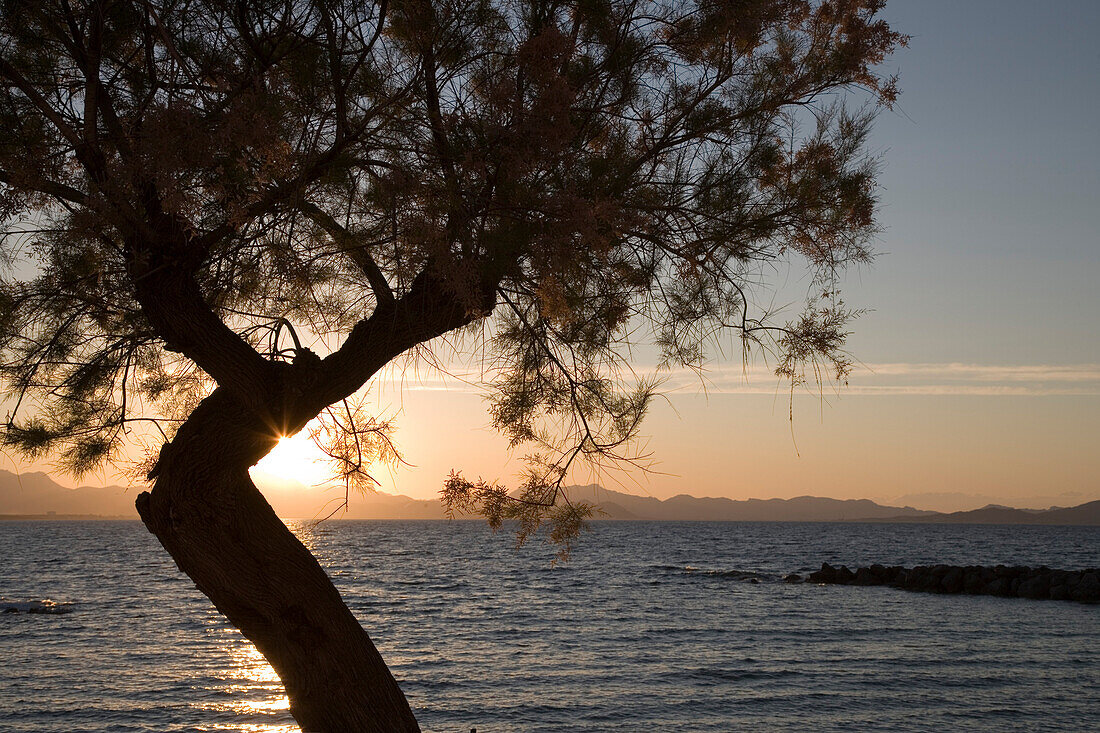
{"points": [[978, 357]]}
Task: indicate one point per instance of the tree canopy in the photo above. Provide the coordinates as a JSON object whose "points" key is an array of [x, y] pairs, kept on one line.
{"points": [[187, 184], [189, 187]]}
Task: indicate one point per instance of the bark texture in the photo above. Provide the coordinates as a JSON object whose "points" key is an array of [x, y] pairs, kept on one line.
{"points": [[222, 533]]}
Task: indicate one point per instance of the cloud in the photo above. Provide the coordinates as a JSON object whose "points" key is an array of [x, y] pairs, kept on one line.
{"points": [[982, 380], [992, 372], [873, 379]]}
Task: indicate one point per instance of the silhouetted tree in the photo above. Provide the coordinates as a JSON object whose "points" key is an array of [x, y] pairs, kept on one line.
{"points": [[187, 184]]}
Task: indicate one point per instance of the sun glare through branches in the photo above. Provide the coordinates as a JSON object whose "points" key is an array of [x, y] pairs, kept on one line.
{"points": [[297, 458]]}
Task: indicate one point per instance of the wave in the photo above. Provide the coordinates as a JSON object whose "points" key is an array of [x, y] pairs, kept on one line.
{"points": [[746, 576], [45, 606]]}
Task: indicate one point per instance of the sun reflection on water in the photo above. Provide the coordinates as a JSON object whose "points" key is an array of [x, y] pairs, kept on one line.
{"points": [[249, 688], [246, 694], [304, 531]]}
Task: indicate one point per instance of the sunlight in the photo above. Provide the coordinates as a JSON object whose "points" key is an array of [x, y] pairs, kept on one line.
{"points": [[254, 690], [296, 458]]}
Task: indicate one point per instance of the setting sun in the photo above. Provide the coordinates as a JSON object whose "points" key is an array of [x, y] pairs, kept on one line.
{"points": [[296, 458]]}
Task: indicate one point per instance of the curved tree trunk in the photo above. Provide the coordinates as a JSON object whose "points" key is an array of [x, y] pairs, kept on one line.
{"points": [[222, 533]]}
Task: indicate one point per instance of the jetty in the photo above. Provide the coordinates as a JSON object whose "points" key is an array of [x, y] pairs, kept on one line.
{"points": [[1000, 580]]}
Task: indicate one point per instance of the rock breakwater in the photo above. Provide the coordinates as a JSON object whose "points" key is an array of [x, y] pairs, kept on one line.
{"points": [[999, 580]]}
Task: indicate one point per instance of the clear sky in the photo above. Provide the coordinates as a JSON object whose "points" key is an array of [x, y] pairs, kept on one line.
{"points": [[981, 350]]}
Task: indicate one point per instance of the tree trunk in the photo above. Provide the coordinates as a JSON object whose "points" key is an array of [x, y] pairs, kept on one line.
{"points": [[222, 533]]}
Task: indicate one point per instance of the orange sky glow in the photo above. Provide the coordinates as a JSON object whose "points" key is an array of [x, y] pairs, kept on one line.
{"points": [[978, 362]]}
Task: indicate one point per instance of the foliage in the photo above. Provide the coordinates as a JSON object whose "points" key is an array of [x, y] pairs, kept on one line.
{"points": [[186, 182]]}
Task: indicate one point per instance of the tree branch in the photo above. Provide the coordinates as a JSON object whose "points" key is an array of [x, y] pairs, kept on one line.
{"points": [[351, 246], [50, 188], [429, 309], [174, 304]]}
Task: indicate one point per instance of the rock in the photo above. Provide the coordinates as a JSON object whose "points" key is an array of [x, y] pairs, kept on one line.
{"points": [[898, 577], [864, 576], [1088, 589], [1036, 587], [972, 580], [827, 574], [1002, 580], [952, 581], [923, 578]]}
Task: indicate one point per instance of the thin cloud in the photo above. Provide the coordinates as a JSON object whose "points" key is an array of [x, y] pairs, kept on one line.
{"points": [[991, 372], [987, 380], [892, 378]]}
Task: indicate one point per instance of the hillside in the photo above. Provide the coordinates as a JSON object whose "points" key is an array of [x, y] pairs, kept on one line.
{"points": [[619, 505], [1087, 514], [38, 495]]}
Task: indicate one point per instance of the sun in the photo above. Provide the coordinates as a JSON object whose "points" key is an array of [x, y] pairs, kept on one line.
{"points": [[296, 458]]}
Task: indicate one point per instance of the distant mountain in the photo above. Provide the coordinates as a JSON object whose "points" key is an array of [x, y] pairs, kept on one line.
{"points": [[956, 501], [314, 503], [37, 494], [618, 505], [1085, 514]]}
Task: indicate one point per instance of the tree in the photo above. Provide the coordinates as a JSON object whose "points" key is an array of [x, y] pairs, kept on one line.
{"points": [[188, 184]]}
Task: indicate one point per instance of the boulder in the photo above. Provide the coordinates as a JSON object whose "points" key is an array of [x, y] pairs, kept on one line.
{"points": [[864, 576], [827, 574], [1036, 587], [1088, 589], [952, 581]]}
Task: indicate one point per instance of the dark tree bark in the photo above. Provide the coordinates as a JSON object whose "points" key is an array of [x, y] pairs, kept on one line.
{"points": [[222, 533]]}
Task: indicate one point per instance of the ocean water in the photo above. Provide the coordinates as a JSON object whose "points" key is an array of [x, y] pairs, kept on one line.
{"points": [[651, 626]]}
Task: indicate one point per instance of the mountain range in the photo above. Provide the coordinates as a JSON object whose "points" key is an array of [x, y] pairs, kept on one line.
{"points": [[619, 505], [958, 501], [36, 494], [1084, 514]]}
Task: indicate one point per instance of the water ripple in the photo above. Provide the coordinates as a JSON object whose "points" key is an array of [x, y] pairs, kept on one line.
{"points": [[663, 626]]}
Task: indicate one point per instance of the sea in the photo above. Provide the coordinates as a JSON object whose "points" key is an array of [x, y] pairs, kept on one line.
{"points": [[650, 626]]}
